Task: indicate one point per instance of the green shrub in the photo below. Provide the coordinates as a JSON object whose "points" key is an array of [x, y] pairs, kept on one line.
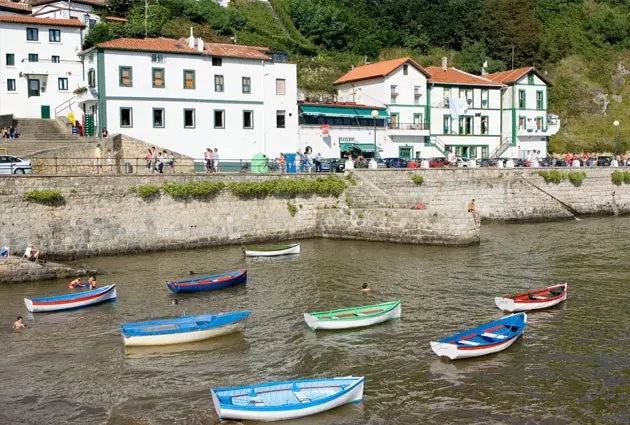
{"points": [[46, 196], [626, 177], [576, 177], [191, 189], [133, 189], [321, 186], [619, 177], [292, 209], [553, 176], [147, 190], [417, 180]]}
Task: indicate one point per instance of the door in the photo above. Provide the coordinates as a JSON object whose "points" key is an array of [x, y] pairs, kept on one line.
{"points": [[394, 121], [33, 87], [404, 152], [465, 152], [45, 112]]}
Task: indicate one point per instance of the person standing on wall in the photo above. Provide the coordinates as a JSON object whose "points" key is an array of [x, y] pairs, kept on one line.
{"points": [[97, 158]]}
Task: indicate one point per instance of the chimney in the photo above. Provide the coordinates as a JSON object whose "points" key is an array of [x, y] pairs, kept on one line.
{"points": [[191, 39], [200, 44], [484, 68], [444, 63]]}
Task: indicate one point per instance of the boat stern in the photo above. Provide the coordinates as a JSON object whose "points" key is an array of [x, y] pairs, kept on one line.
{"points": [[29, 304], [172, 286], [357, 393], [311, 321], [505, 304]]}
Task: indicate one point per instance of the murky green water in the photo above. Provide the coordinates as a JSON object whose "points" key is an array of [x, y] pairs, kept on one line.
{"points": [[571, 367]]}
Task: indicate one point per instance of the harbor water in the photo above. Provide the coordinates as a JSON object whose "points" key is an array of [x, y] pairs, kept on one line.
{"points": [[572, 365]]}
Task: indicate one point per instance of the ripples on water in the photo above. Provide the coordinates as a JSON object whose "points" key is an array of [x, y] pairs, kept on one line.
{"points": [[571, 367]]}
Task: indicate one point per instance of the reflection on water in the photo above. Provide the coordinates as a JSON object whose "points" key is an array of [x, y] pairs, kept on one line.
{"points": [[570, 367]]}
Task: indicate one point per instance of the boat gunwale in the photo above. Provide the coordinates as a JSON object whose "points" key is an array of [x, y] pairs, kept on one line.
{"points": [[451, 339], [242, 315], [514, 297], [273, 248], [394, 304], [72, 297], [235, 274]]}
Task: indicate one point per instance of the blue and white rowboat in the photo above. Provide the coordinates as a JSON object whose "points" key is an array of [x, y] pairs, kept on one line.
{"points": [[208, 283], [180, 330], [277, 401], [69, 301], [488, 338]]}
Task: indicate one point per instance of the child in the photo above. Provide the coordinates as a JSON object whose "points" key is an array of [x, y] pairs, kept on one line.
{"points": [[365, 288], [92, 282], [75, 283], [110, 161], [19, 323]]}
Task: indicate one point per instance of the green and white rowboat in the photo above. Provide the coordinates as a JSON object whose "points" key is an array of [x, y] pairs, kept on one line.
{"points": [[354, 317], [272, 251]]}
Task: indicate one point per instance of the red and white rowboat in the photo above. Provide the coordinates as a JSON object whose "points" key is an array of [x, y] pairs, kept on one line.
{"points": [[69, 301], [533, 300]]}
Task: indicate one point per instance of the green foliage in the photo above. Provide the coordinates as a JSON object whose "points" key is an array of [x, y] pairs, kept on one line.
{"points": [[133, 189], [348, 202], [46, 196], [147, 190], [199, 190], [576, 177], [555, 176], [320, 186], [417, 180], [618, 177], [360, 214], [292, 209]]}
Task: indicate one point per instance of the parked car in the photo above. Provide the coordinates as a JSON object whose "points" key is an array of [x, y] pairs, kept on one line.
{"points": [[438, 162], [604, 161], [380, 163], [338, 164], [488, 162], [14, 165], [466, 163], [395, 162]]}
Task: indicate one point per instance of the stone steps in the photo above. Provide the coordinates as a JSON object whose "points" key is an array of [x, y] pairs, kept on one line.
{"points": [[25, 147]]}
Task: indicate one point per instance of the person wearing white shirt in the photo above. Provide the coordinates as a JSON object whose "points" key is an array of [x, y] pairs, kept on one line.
{"points": [[509, 163], [614, 163]]}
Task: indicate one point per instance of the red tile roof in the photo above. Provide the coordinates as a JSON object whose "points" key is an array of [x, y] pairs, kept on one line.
{"points": [[457, 77], [507, 77], [15, 7], [42, 21], [375, 70], [169, 45], [97, 3], [115, 19]]}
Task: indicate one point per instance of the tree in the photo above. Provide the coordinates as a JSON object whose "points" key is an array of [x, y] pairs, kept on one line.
{"points": [[118, 7]]}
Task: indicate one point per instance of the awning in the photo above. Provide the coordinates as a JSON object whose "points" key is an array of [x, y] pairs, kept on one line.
{"points": [[362, 147], [331, 111]]}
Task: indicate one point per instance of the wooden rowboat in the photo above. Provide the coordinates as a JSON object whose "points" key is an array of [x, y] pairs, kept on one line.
{"points": [[272, 251], [180, 330], [488, 338], [353, 317], [277, 401], [208, 283], [533, 300], [69, 301]]}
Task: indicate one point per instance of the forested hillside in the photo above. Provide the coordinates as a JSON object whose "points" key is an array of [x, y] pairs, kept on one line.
{"points": [[583, 46]]}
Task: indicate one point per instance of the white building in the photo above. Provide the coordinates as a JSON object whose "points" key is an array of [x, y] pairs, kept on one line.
{"points": [[39, 65], [69, 9], [187, 95]]}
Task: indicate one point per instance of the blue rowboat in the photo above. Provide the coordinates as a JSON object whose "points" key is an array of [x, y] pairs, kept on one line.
{"points": [[180, 330], [208, 283], [276, 401], [68, 301], [488, 338]]}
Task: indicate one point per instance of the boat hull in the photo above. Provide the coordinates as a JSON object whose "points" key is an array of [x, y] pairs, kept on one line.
{"points": [[455, 353], [513, 305], [294, 249], [183, 337], [267, 414], [83, 299], [208, 283], [314, 323]]}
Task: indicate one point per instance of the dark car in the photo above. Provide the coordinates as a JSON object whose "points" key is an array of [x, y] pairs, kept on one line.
{"points": [[604, 161], [438, 162], [488, 162], [338, 164], [395, 162]]}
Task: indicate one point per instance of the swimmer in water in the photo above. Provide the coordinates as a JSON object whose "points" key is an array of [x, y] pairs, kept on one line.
{"points": [[365, 288]]}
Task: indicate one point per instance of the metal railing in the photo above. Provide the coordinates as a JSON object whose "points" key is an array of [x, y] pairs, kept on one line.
{"points": [[409, 126]]}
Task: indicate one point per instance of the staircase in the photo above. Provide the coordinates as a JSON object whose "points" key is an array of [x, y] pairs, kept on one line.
{"points": [[505, 144], [38, 129], [438, 144]]}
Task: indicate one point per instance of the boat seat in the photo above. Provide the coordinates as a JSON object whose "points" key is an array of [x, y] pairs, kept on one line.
{"points": [[301, 396], [378, 310], [556, 292], [256, 401], [466, 342], [535, 297], [493, 335]]}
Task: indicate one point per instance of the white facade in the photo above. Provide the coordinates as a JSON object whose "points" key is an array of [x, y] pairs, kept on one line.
{"points": [[213, 109], [39, 67], [73, 9]]}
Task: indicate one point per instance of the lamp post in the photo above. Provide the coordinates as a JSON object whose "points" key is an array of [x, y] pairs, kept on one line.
{"points": [[615, 143], [374, 114]]}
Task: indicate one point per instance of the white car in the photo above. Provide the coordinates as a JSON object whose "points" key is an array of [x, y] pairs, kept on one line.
{"points": [[14, 165], [466, 163]]}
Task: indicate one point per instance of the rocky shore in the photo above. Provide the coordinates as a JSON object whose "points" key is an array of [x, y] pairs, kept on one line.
{"points": [[15, 270]]}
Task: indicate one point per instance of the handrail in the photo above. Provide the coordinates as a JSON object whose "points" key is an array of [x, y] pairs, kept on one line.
{"points": [[499, 150], [439, 144], [409, 126], [63, 105]]}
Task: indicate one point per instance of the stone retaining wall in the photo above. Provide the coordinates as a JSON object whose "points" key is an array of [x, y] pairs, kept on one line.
{"points": [[14, 270]]}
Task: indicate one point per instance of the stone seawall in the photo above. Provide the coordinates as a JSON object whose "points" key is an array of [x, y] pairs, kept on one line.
{"points": [[100, 215]]}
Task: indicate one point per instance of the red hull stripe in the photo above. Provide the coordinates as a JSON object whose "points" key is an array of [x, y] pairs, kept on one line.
{"points": [[541, 291], [208, 281], [74, 300], [483, 347]]}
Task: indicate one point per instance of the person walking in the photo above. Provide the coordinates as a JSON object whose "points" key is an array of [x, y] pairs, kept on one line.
{"points": [[281, 163], [97, 158], [215, 163], [154, 159], [297, 161]]}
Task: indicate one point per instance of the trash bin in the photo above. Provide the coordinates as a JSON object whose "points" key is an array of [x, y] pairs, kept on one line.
{"points": [[259, 164], [128, 168]]}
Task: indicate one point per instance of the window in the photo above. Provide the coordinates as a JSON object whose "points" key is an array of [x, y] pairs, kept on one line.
{"points": [[126, 117], [32, 34], [447, 124], [417, 121], [92, 78], [281, 87], [484, 126], [189, 79], [62, 84], [539, 100], [521, 99], [405, 69], [530, 79], [393, 93], [157, 58], [472, 152], [54, 36], [219, 118], [54, 59], [446, 95], [157, 75], [248, 119], [521, 123], [467, 94], [416, 95], [247, 85], [280, 119], [218, 83], [10, 59], [189, 118], [158, 118], [484, 99], [217, 61], [484, 151], [539, 123], [91, 23], [11, 85], [33, 57], [394, 122], [125, 76], [465, 125], [33, 87]]}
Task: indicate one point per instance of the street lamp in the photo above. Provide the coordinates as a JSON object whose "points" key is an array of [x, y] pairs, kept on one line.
{"points": [[374, 114], [615, 143]]}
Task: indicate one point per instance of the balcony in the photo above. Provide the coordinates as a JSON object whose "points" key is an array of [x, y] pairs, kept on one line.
{"points": [[534, 131], [90, 94], [408, 129], [36, 68]]}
